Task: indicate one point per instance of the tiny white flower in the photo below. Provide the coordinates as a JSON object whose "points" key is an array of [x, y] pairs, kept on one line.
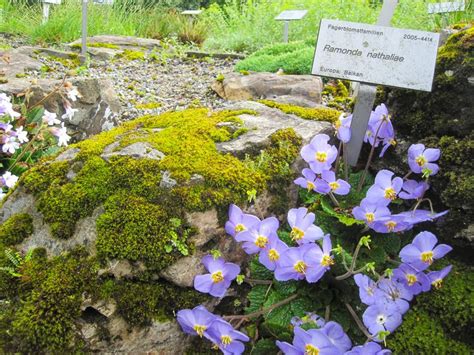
{"points": [[10, 145], [9, 179], [22, 135], [50, 118], [6, 108], [69, 112], [73, 94], [63, 137]]}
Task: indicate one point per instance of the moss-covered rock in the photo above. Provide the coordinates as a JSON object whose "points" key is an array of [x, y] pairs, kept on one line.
{"points": [[316, 114], [15, 229]]}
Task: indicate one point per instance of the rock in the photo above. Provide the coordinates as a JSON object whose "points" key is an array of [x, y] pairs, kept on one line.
{"points": [[137, 150], [296, 88], [121, 41], [106, 308], [166, 181], [97, 107], [183, 272], [13, 63]]}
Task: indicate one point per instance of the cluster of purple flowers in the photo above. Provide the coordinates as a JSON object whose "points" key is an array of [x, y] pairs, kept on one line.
{"points": [[306, 261], [328, 338], [374, 211], [320, 156], [388, 298], [380, 129], [199, 321]]}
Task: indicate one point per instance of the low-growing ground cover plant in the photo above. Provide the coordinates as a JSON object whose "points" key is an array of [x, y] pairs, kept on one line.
{"points": [[351, 240]]}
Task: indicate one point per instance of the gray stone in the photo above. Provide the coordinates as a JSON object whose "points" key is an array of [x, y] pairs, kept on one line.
{"points": [[302, 88], [14, 62], [121, 41], [67, 155], [166, 181], [183, 272], [106, 308], [137, 150], [207, 225]]}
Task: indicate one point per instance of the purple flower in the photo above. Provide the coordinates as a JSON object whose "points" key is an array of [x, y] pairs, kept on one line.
{"points": [[328, 183], [311, 342], [337, 336], [418, 216], [302, 228], [378, 318], [367, 289], [385, 189], [270, 256], [319, 154], [369, 348], [380, 127], [394, 294], [413, 190], [391, 224], [258, 237], [422, 251], [412, 279], [196, 321], [436, 277], [370, 212], [308, 181], [421, 159], [387, 143], [306, 261], [239, 221], [227, 338], [219, 278], [343, 128], [308, 318]]}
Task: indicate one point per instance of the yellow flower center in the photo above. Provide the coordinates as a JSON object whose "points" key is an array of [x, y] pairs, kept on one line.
{"points": [[393, 142], [321, 157], [327, 260], [437, 283], [261, 241], [427, 257], [273, 255], [421, 160], [391, 225], [226, 340], [411, 279], [217, 277], [370, 217], [310, 349], [200, 329], [300, 267], [310, 186], [239, 228], [390, 193], [334, 185], [296, 234], [337, 124]]}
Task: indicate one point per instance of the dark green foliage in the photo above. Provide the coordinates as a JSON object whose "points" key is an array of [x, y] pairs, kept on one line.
{"points": [[15, 229]]}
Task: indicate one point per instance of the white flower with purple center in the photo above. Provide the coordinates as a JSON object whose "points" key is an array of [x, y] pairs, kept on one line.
{"points": [[385, 189], [226, 338], [436, 277], [370, 212], [319, 154], [413, 190], [302, 228], [308, 342], [10, 144], [343, 128], [9, 180], [308, 181], [221, 275], [258, 237], [61, 134], [379, 318], [421, 252], [420, 159], [328, 183], [414, 280], [50, 118], [239, 221], [270, 256], [196, 321]]}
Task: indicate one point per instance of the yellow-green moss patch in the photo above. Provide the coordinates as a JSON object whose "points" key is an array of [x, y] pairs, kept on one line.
{"points": [[15, 229], [148, 106], [129, 54], [315, 114]]}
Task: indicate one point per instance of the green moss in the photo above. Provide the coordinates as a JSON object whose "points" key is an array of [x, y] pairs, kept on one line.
{"points": [[315, 114], [129, 54], [148, 106], [220, 78], [103, 45], [72, 62], [15, 229], [20, 75]]}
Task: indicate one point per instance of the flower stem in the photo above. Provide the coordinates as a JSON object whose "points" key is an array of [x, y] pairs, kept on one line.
{"points": [[351, 271], [262, 311], [369, 160], [339, 150], [333, 199], [346, 166], [358, 321], [25, 150]]}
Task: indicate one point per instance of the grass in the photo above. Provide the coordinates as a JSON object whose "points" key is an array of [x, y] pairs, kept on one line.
{"points": [[241, 26]]}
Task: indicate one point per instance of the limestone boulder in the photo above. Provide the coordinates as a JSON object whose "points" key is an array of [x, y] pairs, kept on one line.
{"points": [[14, 62], [305, 89]]}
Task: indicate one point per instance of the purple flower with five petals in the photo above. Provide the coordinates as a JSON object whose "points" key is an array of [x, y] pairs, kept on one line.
{"points": [[343, 128], [328, 183], [380, 127], [413, 190], [420, 159], [196, 321], [270, 256], [239, 221], [391, 224], [394, 294], [319, 154], [421, 252], [302, 228], [337, 336], [369, 348], [312, 341], [227, 338], [370, 212], [308, 181], [258, 238], [221, 275], [385, 188], [378, 318], [414, 280], [436, 277], [367, 289]]}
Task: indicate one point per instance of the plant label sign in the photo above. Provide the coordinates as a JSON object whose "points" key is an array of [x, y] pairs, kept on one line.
{"points": [[442, 7], [376, 54], [291, 15]]}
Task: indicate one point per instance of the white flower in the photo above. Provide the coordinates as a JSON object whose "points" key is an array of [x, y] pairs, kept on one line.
{"points": [[73, 94], [6, 108], [50, 118], [9, 180], [69, 112], [6, 127], [63, 137], [10, 145], [22, 135]]}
